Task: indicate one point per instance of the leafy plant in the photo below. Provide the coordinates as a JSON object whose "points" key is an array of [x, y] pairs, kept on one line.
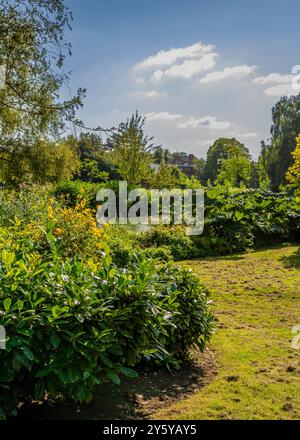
{"points": [[70, 327]]}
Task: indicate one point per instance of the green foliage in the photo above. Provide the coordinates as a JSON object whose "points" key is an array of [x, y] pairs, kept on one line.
{"points": [[173, 236], [276, 158], [122, 244], [94, 158], [162, 253], [293, 174], [249, 218], [44, 162], [161, 155], [69, 191], [222, 149], [237, 171], [234, 221], [131, 150], [69, 328], [167, 176], [32, 49], [191, 302]]}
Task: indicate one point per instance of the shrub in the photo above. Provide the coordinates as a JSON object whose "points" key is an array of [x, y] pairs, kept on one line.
{"points": [[173, 236], [162, 253], [70, 190], [75, 230], [122, 244], [69, 230], [70, 328], [192, 301]]}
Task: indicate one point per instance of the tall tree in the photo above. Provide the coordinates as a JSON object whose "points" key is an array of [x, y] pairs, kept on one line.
{"points": [[94, 157], [32, 52], [161, 155], [236, 171], [293, 174], [132, 150], [222, 149], [277, 158], [200, 169]]}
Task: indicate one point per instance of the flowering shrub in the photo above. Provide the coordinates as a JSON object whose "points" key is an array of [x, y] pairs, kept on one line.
{"points": [[47, 226], [75, 229], [293, 174]]}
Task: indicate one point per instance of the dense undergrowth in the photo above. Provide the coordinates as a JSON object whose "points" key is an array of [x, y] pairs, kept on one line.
{"points": [[82, 304], [74, 315], [236, 220]]}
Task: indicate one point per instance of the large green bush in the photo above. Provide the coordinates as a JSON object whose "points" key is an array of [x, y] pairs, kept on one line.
{"points": [[70, 328], [172, 236]]}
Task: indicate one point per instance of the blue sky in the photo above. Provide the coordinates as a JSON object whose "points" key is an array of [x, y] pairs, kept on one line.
{"points": [[198, 70]]}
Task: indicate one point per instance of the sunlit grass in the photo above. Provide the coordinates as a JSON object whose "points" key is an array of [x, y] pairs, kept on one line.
{"points": [[256, 302]]}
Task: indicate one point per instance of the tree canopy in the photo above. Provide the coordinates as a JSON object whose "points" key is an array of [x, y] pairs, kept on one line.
{"points": [[276, 158], [131, 150], [32, 53], [293, 174], [222, 148]]}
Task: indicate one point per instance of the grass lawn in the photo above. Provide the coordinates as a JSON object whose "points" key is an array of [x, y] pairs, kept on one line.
{"points": [[256, 300]]}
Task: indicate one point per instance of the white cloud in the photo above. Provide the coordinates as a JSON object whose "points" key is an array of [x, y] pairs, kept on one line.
{"points": [[229, 72], [280, 90], [251, 134], [272, 78], [207, 121], [140, 80], [183, 62], [173, 83], [148, 93], [152, 94], [162, 116], [280, 84], [157, 75], [189, 121], [188, 68], [171, 56]]}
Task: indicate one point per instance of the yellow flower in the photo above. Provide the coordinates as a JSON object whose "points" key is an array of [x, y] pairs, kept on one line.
{"points": [[58, 231], [50, 212]]}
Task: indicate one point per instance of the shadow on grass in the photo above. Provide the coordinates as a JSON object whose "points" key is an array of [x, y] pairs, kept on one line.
{"points": [[292, 260], [134, 398]]}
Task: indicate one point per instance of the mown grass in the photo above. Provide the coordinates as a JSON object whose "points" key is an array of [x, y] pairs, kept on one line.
{"points": [[256, 302]]}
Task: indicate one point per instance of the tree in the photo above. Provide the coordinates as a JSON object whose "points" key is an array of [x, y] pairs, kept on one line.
{"points": [[167, 176], [161, 155], [200, 169], [95, 166], [32, 51], [131, 150], [222, 149], [293, 174], [235, 171], [44, 162], [277, 158], [263, 160]]}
